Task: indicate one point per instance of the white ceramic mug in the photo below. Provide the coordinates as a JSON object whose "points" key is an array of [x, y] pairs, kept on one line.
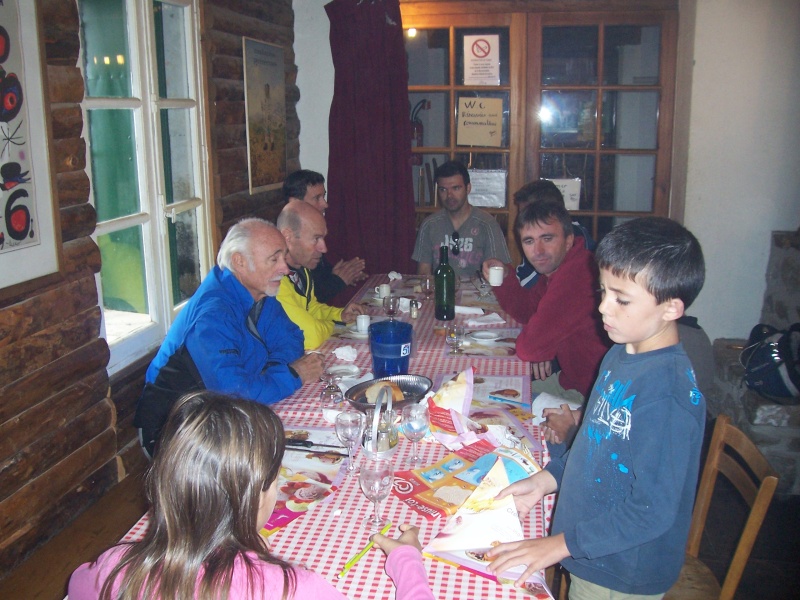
{"points": [[496, 276], [362, 323], [383, 290]]}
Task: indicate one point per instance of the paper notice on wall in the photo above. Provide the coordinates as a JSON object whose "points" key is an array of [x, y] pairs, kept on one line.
{"points": [[488, 187], [571, 190], [480, 122], [481, 60]]}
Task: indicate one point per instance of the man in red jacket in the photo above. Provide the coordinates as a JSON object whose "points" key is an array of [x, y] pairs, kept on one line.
{"points": [[563, 336]]}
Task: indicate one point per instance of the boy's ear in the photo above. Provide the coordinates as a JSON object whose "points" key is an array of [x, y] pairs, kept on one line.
{"points": [[674, 309]]}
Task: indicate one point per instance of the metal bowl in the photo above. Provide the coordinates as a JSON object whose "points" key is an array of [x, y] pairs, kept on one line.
{"points": [[414, 387]]}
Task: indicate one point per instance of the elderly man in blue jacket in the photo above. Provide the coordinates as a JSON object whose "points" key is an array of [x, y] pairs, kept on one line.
{"points": [[232, 336]]}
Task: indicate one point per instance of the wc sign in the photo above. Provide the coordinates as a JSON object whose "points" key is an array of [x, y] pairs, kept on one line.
{"points": [[482, 59]]}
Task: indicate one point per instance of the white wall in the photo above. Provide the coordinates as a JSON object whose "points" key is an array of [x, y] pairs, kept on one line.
{"points": [[744, 151], [315, 79], [744, 144]]}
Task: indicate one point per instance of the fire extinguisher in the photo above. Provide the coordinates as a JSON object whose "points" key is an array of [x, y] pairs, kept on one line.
{"points": [[417, 132]]}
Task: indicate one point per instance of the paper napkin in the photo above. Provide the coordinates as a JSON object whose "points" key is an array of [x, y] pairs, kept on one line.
{"points": [[346, 353], [468, 310], [394, 275], [490, 319]]}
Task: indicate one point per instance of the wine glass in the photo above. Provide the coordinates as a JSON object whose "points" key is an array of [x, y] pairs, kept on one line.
{"points": [[427, 287], [376, 481], [349, 429], [331, 395], [454, 336], [390, 306], [414, 424]]}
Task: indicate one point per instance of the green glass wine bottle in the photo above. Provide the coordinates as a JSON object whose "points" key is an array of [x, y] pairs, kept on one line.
{"points": [[445, 285]]}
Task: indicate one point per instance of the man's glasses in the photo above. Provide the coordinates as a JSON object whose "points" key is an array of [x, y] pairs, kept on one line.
{"points": [[455, 237]]}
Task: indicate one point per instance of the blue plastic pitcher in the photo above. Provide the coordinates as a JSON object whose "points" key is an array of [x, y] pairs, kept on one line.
{"points": [[390, 344]]}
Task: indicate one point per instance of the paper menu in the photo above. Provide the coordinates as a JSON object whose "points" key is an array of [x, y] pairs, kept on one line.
{"points": [[505, 389]]}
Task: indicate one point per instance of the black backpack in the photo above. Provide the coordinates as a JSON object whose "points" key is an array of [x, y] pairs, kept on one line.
{"points": [[771, 362]]}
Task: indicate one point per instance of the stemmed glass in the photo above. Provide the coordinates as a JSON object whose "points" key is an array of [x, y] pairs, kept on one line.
{"points": [[349, 430], [454, 336], [376, 480], [427, 287], [331, 395], [414, 424], [390, 306]]}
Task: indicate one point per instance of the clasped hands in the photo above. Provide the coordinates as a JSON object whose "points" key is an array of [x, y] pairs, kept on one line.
{"points": [[351, 271]]}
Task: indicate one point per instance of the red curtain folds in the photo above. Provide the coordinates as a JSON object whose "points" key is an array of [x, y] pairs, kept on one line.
{"points": [[371, 211]]}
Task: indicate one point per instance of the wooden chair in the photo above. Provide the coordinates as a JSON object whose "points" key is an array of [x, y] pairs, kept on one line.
{"points": [[756, 487]]}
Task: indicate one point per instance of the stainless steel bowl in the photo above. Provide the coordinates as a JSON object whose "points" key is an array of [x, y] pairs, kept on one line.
{"points": [[414, 387]]}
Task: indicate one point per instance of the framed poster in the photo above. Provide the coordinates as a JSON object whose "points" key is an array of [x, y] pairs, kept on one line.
{"points": [[265, 110], [30, 238]]}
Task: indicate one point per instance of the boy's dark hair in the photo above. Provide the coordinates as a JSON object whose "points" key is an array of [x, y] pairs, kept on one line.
{"points": [[543, 211], [451, 168], [541, 189], [296, 185], [666, 253]]}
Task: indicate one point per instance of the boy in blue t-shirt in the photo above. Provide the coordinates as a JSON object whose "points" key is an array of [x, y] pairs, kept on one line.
{"points": [[626, 486]]}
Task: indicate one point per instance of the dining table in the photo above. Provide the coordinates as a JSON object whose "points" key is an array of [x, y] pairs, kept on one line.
{"points": [[331, 532]]}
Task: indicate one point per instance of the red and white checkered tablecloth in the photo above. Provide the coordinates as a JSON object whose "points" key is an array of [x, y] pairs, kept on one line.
{"points": [[330, 533]]}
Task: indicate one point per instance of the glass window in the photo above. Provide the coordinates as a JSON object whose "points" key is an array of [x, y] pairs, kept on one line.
{"points": [[481, 44], [626, 182], [428, 52], [571, 166], [568, 119], [430, 119], [569, 55], [143, 145], [630, 120], [631, 55]]}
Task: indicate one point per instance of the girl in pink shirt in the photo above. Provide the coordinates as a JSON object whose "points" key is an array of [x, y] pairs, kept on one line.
{"points": [[211, 485]]}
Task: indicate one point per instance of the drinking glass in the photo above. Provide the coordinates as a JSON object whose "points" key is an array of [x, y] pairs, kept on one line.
{"points": [[414, 424], [349, 430], [390, 305], [427, 286], [454, 336], [331, 395], [376, 480]]}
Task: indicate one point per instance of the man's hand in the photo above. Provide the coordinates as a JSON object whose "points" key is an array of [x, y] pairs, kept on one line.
{"points": [[532, 554], [351, 311], [542, 370], [410, 537], [528, 492], [351, 271], [560, 424], [309, 367], [492, 262]]}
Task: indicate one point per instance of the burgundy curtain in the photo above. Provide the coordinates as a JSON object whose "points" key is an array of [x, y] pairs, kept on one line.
{"points": [[371, 211]]}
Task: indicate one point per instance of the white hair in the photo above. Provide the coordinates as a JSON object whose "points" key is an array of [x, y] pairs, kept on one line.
{"points": [[237, 240]]}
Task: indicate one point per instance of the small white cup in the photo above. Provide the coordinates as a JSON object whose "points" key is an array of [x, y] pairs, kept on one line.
{"points": [[496, 276], [362, 323], [383, 290]]}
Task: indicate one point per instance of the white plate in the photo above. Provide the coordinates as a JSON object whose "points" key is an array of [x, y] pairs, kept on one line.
{"points": [[484, 336], [344, 370], [353, 331]]}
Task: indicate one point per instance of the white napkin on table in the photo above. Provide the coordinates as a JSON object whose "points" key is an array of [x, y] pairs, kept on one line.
{"points": [[346, 353], [490, 319], [468, 310], [404, 305], [394, 275]]}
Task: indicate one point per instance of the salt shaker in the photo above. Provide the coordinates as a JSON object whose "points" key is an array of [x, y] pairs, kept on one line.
{"points": [[414, 309]]}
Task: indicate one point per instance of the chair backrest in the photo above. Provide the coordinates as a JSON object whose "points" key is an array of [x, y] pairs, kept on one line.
{"points": [[752, 476]]}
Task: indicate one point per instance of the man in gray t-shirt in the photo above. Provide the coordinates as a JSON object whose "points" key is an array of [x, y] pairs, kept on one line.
{"points": [[471, 234]]}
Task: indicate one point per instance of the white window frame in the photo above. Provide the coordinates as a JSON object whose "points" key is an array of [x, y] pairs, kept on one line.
{"points": [[144, 333]]}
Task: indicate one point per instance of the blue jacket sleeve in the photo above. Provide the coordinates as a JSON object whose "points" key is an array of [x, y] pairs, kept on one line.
{"points": [[231, 360]]}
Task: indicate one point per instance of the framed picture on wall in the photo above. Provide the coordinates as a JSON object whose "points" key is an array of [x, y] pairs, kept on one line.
{"points": [[265, 106], [30, 235]]}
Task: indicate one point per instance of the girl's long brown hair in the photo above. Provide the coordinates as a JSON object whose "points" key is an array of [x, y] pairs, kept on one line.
{"points": [[217, 455]]}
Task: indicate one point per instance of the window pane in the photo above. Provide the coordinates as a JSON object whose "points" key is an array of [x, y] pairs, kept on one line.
{"points": [[122, 273], [568, 119], [176, 142], [184, 255], [630, 120], [170, 35], [626, 182], [106, 60], [569, 55], [428, 55], [430, 117], [113, 155], [571, 166], [422, 170], [481, 46], [631, 55], [478, 123]]}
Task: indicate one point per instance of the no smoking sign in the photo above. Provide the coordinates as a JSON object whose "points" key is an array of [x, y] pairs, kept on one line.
{"points": [[481, 48]]}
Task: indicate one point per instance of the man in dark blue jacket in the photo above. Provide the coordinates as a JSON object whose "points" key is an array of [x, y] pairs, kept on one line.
{"points": [[232, 336]]}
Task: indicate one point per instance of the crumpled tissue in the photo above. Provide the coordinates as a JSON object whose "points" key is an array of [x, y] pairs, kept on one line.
{"points": [[346, 353], [394, 275], [490, 319]]}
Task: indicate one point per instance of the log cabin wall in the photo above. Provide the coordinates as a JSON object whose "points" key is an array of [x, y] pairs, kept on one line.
{"points": [[66, 433]]}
